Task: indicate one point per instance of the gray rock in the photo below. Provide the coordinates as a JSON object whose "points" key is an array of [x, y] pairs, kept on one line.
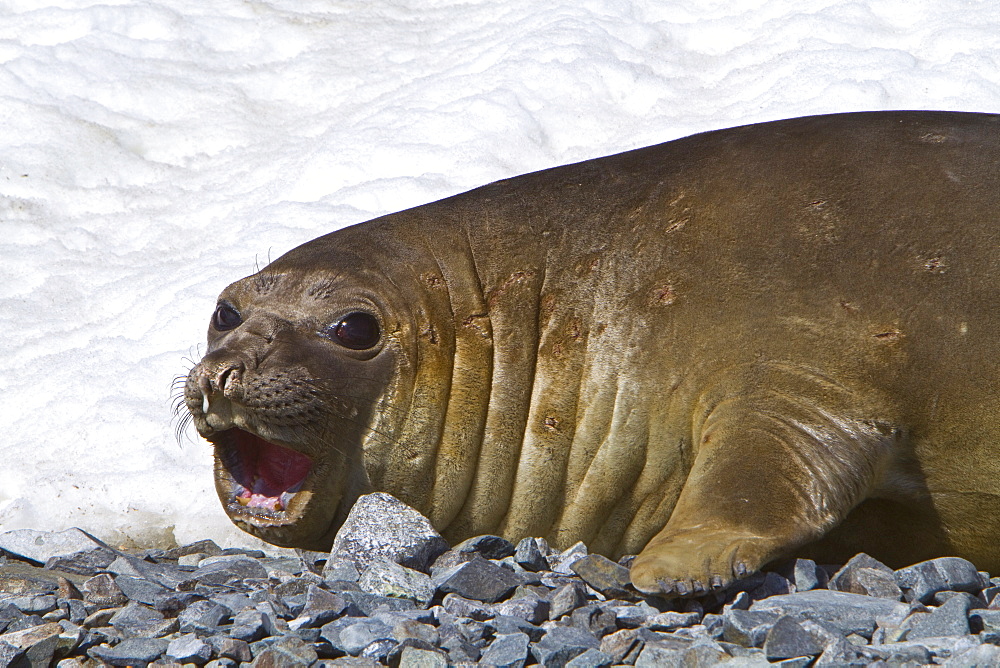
{"points": [[466, 607], [411, 657], [230, 648], [950, 619], [867, 576], [507, 651], [772, 584], [206, 547], [387, 578], [787, 640], [562, 562], [141, 590], [850, 613], [188, 648], [748, 628], [671, 621], [228, 570], [368, 604], [603, 575], [480, 580], [340, 569], [13, 657], [488, 547], [320, 608], [503, 625], [622, 646], [529, 607], [285, 652], [921, 581], [655, 656], [130, 652], [167, 576], [594, 619], [632, 615], [528, 555], [37, 644], [136, 619], [975, 657], [203, 617], [40, 546], [103, 592], [561, 644], [355, 637], [380, 525], [807, 576], [591, 658], [566, 599], [250, 625]]}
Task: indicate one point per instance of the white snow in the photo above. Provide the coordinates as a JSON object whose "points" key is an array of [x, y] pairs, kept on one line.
{"points": [[153, 151]]}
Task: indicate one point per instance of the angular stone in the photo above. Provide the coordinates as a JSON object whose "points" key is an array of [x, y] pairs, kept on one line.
{"points": [[368, 604], [320, 608], [203, 617], [594, 619], [562, 562], [230, 648], [787, 640], [228, 570], [921, 581], [207, 547], [480, 580], [488, 547], [506, 651], [591, 658], [404, 630], [102, 591], [250, 625], [352, 639], [130, 652], [566, 599], [380, 525], [671, 621], [655, 656], [981, 655], [528, 607], [285, 652], [387, 578], [36, 644], [141, 590], [806, 575], [867, 576], [603, 575], [188, 648], [622, 646], [136, 619], [562, 643], [466, 607], [528, 555], [504, 625], [849, 613], [40, 546], [412, 657], [632, 615], [162, 574], [340, 569], [950, 619], [748, 628]]}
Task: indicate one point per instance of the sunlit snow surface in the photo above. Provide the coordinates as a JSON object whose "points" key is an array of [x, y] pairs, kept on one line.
{"points": [[151, 152]]}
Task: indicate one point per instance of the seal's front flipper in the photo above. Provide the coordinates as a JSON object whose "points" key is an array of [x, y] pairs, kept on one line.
{"points": [[772, 472]]}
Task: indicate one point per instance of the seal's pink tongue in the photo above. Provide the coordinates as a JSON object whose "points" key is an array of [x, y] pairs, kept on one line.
{"points": [[267, 471]]}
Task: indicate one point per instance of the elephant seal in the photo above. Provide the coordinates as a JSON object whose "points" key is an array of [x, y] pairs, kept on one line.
{"points": [[713, 352]]}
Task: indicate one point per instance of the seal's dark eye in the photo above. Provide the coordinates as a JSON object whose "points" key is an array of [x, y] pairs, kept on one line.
{"points": [[226, 318], [357, 331]]}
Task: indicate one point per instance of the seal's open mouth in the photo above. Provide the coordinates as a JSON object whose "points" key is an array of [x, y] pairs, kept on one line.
{"points": [[266, 475]]}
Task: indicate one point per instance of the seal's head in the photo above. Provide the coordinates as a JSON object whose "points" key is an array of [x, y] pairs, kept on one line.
{"points": [[301, 363]]}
